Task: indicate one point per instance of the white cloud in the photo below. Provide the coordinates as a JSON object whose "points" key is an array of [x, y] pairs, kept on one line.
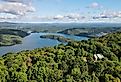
{"points": [[108, 16], [111, 14], [13, 0], [95, 5], [15, 8], [68, 17], [8, 17], [75, 17], [59, 18], [27, 2]]}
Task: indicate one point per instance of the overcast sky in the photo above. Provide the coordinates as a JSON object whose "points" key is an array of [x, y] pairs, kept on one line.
{"points": [[60, 10]]}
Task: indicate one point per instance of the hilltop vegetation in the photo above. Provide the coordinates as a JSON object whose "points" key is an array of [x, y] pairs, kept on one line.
{"points": [[57, 37], [14, 32], [73, 62], [8, 40], [90, 32], [10, 37]]}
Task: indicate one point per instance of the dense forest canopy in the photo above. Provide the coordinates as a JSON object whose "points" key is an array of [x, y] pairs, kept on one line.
{"points": [[73, 62]]}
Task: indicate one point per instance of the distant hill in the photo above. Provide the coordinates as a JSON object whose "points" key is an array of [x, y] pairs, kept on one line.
{"points": [[90, 32], [14, 32], [7, 23]]}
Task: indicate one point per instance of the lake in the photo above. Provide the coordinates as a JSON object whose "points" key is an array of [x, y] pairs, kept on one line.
{"points": [[34, 41]]}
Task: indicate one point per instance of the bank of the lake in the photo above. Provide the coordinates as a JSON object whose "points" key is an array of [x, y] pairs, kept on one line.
{"points": [[57, 37], [9, 37], [33, 41]]}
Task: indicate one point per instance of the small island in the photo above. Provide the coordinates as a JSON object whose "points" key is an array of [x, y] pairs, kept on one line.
{"points": [[9, 37], [57, 37]]}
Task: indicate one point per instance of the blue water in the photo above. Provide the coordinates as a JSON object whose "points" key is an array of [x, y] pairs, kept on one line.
{"points": [[34, 41]]}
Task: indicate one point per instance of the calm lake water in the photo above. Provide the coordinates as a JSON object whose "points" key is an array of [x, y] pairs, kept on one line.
{"points": [[34, 41]]}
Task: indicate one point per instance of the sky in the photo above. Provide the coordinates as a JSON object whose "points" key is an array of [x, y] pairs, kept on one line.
{"points": [[60, 11]]}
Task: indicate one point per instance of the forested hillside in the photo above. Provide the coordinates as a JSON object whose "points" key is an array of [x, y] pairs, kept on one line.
{"points": [[10, 37], [74, 62]]}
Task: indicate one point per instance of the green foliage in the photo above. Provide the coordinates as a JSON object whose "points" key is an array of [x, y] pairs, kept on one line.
{"points": [[7, 40], [73, 62]]}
